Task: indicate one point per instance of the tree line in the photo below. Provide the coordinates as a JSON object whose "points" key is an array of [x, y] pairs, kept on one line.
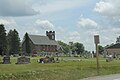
{"points": [[73, 48], [78, 48], [9, 42]]}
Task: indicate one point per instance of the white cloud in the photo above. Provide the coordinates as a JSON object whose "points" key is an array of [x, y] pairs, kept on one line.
{"points": [[16, 8], [112, 30], [110, 12], [58, 5], [2, 21], [75, 33], [108, 8], [74, 36], [103, 7], [9, 23], [44, 24], [87, 23]]}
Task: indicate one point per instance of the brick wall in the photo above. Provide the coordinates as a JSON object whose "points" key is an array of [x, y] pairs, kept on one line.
{"points": [[46, 48]]}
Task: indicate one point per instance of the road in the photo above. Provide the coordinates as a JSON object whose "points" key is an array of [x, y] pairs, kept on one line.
{"points": [[108, 77]]}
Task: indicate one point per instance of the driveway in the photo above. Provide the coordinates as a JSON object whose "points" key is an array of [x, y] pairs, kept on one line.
{"points": [[108, 77]]}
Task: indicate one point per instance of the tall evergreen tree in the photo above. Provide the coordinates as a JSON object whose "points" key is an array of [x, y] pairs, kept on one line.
{"points": [[13, 42], [16, 42], [27, 44], [3, 41], [9, 40]]}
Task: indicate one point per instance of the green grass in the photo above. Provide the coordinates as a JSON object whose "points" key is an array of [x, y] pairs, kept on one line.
{"points": [[65, 70]]}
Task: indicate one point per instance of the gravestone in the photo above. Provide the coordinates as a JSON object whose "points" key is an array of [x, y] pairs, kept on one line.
{"points": [[6, 60], [109, 58], [23, 60]]}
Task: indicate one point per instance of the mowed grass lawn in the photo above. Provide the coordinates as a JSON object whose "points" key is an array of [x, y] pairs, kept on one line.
{"points": [[68, 69]]}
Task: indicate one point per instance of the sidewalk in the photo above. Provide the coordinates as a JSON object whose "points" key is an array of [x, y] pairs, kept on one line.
{"points": [[108, 77]]}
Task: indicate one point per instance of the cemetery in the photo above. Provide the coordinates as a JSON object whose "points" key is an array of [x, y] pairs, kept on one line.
{"points": [[43, 58], [52, 71], [59, 39]]}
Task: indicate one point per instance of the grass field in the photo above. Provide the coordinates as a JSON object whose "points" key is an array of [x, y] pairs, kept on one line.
{"points": [[68, 69]]}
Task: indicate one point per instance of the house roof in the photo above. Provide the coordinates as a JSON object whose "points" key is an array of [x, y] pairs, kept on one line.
{"points": [[114, 46], [42, 40]]}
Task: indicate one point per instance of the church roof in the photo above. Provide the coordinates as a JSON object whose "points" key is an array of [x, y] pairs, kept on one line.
{"points": [[42, 40], [114, 46]]}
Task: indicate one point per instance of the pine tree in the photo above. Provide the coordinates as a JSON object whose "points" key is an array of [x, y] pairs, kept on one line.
{"points": [[3, 41], [27, 43], [16, 42], [13, 42], [9, 40]]}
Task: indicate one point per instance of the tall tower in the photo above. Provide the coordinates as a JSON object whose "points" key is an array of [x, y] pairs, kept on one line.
{"points": [[51, 35]]}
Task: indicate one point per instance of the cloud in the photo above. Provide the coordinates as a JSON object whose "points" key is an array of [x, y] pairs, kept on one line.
{"points": [[44, 24], [87, 23], [9, 23], [73, 36], [2, 21], [112, 30], [75, 33], [104, 8], [109, 10], [57, 5], [108, 7], [16, 8]]}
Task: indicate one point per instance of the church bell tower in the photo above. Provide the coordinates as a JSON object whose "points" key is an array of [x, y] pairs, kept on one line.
{"points": [[51, 35]]}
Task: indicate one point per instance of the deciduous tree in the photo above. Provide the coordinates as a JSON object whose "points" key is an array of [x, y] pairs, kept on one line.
{"points": [[101, 49], [79, 48], [65, 47]]}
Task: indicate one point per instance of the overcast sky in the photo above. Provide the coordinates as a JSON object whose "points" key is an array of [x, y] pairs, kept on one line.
{"points": [[73, 20]]}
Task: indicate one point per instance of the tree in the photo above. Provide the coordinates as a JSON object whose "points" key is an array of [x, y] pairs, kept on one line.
{"points": [[3, 41], [65, 46], [101, 49], [13, 42], [118, 39], [9, 40], [27, 43], [79, 48]]}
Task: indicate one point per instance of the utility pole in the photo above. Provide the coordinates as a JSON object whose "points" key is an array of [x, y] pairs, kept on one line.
{"points": [[96, 40]]}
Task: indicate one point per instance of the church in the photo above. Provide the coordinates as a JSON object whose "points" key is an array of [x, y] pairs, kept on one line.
{"points": [[42, 44], [113, 49]]}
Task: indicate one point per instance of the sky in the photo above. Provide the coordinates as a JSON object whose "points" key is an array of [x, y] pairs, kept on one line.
{"points": [[72, 20]]}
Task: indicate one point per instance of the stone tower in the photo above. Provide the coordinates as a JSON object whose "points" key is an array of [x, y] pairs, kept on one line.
{"points": [[51, 35]]}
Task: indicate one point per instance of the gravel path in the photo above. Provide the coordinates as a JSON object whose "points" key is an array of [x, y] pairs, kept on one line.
{"points": [[108, 77]]}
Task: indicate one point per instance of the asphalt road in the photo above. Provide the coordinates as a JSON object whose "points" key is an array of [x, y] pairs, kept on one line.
{"points": [[108, 77]]}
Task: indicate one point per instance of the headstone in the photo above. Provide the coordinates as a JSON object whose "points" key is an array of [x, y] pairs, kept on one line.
{"points": [[6, 60], [109, 58], [23, 60], [47, 59]]}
